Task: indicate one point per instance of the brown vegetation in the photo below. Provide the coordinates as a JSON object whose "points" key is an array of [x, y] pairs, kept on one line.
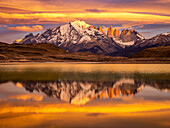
{"points": [[45, 52]]}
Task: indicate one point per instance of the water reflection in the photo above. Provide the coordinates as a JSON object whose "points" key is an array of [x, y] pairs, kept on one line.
{"points": [[81, 92], [41, 95]]}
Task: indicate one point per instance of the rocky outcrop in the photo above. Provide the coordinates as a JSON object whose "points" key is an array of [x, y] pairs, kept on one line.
{"points": [[130, 35], [92, 27], [100, 29], [123, 32], [116, 33], [156, 41], [110, 31]]}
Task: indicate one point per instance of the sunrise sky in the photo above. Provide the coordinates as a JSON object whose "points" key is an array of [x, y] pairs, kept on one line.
{"points": [[20, 17]]}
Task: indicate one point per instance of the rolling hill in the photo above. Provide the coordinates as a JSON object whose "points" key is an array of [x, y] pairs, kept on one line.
{"points": [[45, 52], [155, 52]]}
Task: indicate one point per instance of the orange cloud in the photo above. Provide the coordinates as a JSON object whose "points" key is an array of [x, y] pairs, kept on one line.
{"points": [[26, 28], [132, 24], [119, 108], [18, 84], [25, 97], [129, 25], [3, 26], [103, 17]]}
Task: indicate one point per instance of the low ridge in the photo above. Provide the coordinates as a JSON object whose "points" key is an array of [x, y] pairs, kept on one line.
{"points": [[155, 52]]}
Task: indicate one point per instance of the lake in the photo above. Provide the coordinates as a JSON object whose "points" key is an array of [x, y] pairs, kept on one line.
{"points": [[84, 95]]}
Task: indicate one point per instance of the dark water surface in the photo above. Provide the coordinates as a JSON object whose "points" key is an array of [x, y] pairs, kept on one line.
{"points": [[84, 95]]}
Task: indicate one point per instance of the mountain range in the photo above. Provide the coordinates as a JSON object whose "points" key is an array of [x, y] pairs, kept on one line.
{"points": [[81, 92], [78, 36]]}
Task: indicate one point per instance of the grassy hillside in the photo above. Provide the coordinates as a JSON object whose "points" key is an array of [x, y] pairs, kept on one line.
{"points": [[44, 52], [29, 51], [155, 52]]}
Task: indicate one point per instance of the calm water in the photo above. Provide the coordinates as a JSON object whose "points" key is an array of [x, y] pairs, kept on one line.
{"points": [[84, 95]]}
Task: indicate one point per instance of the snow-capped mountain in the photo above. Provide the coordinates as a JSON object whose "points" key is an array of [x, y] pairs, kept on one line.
{"points": [[158, 40], [79, 36], [76, 36], [81, 92], [162, 39], [127, 37]]}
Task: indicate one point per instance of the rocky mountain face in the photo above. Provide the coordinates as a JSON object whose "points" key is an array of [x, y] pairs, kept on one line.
{"points": [[127, 37], [100, 29], [79, 36], [81, 92], [110, 31], [116, 33], [130, 35], [76, 36], [156, 41]]}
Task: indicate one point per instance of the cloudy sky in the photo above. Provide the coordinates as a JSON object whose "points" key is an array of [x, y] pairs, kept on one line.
{"points": [[20, 17]]}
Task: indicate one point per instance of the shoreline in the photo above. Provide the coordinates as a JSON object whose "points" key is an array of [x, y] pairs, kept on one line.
{"points": [[92, 62]]}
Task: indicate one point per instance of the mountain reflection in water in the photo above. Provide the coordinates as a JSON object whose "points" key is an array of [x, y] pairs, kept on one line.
{"points": [[81, 92], [84, 95]]}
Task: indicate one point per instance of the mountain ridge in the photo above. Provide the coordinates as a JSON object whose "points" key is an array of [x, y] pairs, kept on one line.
{"points": [[80, 92], [78, 36], [162, 39], [75, 37]]}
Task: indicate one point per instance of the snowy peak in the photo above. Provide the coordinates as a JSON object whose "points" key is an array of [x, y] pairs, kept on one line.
{"points": [[77, 36], [163, 39], [80, 23], [165, 34]]}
